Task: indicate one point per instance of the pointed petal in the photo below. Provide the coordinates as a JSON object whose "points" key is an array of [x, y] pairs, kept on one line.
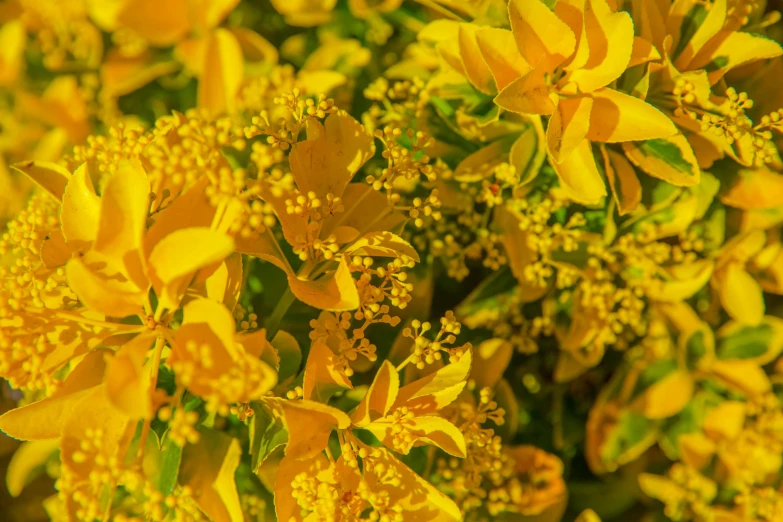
{"points": [[81, 208], [708, 28], [335, 291], [542, 38], [127, 384], [322, 377], [741, 295], [579, 176], [222, 73], [476, 68], [309, 425], [624, 182], [568, 126], [49, 176], [670, 159], [437, 390], [105, 296], [618, 117], [643, 52], [380, 397], [732, 49], [758, 188]]}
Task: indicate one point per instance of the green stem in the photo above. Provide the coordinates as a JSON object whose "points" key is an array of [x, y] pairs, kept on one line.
{"points": [[273, 322]]}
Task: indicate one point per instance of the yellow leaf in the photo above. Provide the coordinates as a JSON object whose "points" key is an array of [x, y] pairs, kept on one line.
{"points": [[731, 49], [255, 47], [382, 244], [686, 281], [326, 162], [588, 515], [666, 397], [709, 27], [491, 360], [725, 421], [215, 315], [225, 283], [286, 505], [209, 13], [208, 467], [12, 45], [476, 68], [618, 117], [568, 126], [160, 22], [336, 291], [610, 41], [542, 38], [696, 450], [671, 159], [757, 188], [746, 377], [322, 377], [579, 177], [263, 247], [380, 397], [49, 176], [105, 296], [121, 75], [178, 256], [25, 460], [127, 384], [660, 488], [528, 94], [643, 52], [81, 209], [309, 425], [54, 251], [25, 423], [124, 211], [505, 66], [625, 184], [438, 389], [426, 429], [222, 73], [741, 295]]}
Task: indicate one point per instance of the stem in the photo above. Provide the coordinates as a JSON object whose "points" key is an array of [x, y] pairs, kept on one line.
{"points": [[153, 382], [279, 250], [404, 363], [273, 322]]}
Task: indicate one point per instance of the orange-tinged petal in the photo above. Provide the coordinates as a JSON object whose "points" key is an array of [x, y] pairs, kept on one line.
{"points": [[625, 184], [568, 126], [725, 421], [666, 397], [476, 68], [123, 221], [127, 382], [505, 66], [732, 49], [222, 73], [713, 22], [54, 251], [332, 154], [209, 13], [528, 94], [579, 177], [610, 40], [105, 296], [619, 117], [49, 176], [217, 316], [380, 397], [758, 188], [427, 429], [740, 295], [336, 291], [491, 360], [542, 38], [25, 460], [745, 377], [643, 51], [81, 209], [322, 377], [670, 159], [160, 22], [225, 284], [181, 254], [382, 244], [12, 44]]}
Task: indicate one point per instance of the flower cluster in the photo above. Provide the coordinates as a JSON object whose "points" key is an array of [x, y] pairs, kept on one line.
{"points": [[422, 260]]}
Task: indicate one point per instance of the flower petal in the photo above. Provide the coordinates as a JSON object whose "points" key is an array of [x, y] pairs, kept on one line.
{"points": [[741, 295], [80, 215], [336, 291], [438, 389], [528, 94], [670, 159], [222, 73], [309, 425], [49, 176], [579, 176], [127, 384], [625, 184], [105, 296], [380, 397], [542, 38], [476, 68], [568, 126], [505, 66]]}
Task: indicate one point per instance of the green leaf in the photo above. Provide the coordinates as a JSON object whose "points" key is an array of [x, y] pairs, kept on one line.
{"points": [[265, 435], [669, 159], [630, 437], [490, 299], [170, 459]]}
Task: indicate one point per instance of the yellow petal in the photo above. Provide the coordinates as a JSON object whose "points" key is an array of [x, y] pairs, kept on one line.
{"points": [[217, 316], [181, 254], [380, 397], [25, 460], [325, 163], [491, 359], [427, 429], [671, 159], [745, 377], [54, 250], [476, 68], [322, 377], [542, 38], [105, 296], [610, 40], [209, 13], [643, 51], [286, 505], [124, 211], [696, 450], [49, 176], [725, 421], [528, 94], [619, 117], [588, 515], [309, 425], [336, 291], [685, 282], [568, 126], [579, 176], [438, 389], [263, 247], [741, 295], [127, 383], [225, 283], [25, 423], [222, 73], [505, 66], [81, 209], [625, 184]]}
